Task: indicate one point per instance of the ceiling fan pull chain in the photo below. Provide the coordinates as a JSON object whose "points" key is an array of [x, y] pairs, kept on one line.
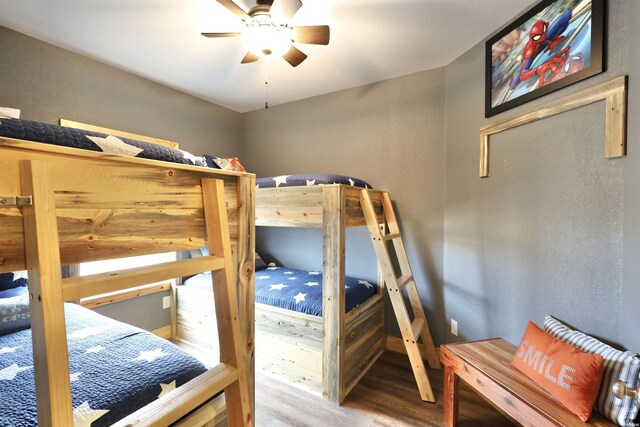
{"points": [[266, 85]]}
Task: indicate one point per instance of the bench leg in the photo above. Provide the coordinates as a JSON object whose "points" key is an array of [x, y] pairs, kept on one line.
{"points": [[450, 397]]}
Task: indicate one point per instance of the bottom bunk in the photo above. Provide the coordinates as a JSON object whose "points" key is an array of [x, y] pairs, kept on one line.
{"points": [[289, 330], [115, 368]]}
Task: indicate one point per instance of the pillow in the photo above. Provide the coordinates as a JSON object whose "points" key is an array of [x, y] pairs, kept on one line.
{"points": [[209, 161], [260, 264], [231, 164], [6, 281], [618, 365], [14, 312], [9, 113], [572, 376]]}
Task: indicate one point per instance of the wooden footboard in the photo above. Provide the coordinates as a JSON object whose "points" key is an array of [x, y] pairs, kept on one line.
{"points": [[107, 206]]}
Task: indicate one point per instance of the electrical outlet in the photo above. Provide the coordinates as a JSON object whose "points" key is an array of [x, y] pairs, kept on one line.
{"points": [[166, 302], [454, 327]]}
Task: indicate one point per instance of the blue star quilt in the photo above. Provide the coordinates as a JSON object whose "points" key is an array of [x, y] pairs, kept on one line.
{"points": [[309, 180], [93, 141], [296, 290], [115, 370]]}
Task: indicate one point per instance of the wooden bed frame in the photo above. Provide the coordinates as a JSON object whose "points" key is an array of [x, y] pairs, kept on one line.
{"points": [[342, 346], [95, 206], [324, 355]]}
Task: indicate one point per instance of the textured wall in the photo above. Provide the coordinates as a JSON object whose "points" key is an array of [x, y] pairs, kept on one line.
{"points": [[544, 233], [48, 83], [390, 134], [631, 288]]}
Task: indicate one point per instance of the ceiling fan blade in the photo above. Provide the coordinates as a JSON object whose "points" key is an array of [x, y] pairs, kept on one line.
{"points": [[285, 9], [211, 35], [315, 34], [249, 57], [237, 10], [294, 56]]}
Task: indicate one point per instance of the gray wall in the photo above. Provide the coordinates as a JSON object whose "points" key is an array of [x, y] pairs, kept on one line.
{"points": [[390, 134], [48, 83], [631, 285], [544, 233]]}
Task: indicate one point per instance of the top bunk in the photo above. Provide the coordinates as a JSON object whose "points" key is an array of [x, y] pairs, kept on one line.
{"points": [[110, 205], [310, 201]]}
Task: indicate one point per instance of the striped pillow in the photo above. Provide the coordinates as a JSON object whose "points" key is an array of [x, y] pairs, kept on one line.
{"points": [[618, 365]]}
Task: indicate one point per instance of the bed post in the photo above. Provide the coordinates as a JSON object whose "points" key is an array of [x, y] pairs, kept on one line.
{"points": [[333, 301], [51, 363], [246, 272]]}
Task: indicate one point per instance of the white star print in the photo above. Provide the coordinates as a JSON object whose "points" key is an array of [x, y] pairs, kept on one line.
{"points": [[288, 272], [346, 286], [282, 179], [83, 415], [114, 145], [86, 332], [257, 185], [311, 182], [262, 277], [96, 349], [367, 284], [152, 355], [351, 182], [278, 287], [293, 278], [166, 388], [312, 284], [9, 373], [4, 350], [272, 268], [75, 376], [299, 297], [314, 273]]}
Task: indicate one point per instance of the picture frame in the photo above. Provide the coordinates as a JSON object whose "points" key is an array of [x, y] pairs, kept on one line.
{"points": [[554, 44]]}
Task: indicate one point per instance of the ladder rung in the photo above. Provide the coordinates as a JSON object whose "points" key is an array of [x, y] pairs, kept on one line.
{"points": [[416, 327], [75, 288], [179, 402], [392, 236], [403, 281]]}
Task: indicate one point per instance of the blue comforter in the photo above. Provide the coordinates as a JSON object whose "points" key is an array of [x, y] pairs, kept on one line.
{"points": [[296, 290], [115, 370], [308, 180], [93, 141]]}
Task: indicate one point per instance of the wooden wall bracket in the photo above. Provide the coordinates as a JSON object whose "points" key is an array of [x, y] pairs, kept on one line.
{"points": [[614, 92]]}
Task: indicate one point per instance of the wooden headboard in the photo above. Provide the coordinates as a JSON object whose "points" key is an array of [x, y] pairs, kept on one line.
{"points": [[92, 128]]}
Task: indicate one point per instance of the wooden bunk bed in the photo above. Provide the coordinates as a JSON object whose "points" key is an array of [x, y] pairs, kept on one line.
{"points": [[324, 355], [62, 206]]}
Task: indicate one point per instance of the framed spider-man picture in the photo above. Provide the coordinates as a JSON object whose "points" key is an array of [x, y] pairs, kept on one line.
{"points": [[554, 44]]}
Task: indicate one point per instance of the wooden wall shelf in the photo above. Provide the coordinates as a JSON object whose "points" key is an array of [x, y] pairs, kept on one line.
{"points": [[614, 92]]}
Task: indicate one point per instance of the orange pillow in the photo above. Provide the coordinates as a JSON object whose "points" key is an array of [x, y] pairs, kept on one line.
{"points": [[568, 374]]}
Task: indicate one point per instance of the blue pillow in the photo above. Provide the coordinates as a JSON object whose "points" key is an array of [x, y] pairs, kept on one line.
{"points": [[209, 161], [14, 312], [6, 280]]}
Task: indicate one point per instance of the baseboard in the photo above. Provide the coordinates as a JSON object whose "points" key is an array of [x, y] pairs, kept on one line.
{"points": [[396, 345], [164, 332]]}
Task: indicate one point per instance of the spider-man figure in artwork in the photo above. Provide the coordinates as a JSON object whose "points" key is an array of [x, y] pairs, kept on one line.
{"points": [[543, 36]]}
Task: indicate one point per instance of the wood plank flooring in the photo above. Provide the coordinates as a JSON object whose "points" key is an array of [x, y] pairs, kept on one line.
{"points": [[386, 396]]}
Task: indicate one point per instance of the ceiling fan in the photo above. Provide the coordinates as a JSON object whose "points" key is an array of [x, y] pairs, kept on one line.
{"points": [[265, 37]]}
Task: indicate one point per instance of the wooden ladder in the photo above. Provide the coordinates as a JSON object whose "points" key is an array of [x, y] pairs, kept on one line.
{"points": [[411, 330], [49, 291]]}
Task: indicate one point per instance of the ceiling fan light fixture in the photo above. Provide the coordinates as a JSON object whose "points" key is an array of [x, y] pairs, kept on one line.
{"points": [[266, 40]]}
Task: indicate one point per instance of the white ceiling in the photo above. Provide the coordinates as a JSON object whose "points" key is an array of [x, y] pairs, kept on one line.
{"points": [[371, 40]]}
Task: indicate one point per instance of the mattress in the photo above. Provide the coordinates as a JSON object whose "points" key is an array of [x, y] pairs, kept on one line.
{"points": [[93, 141], [115, 370], [309, 180], [296, 290]]}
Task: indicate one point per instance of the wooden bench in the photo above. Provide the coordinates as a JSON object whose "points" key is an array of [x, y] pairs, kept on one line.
{"points": [[486, 367]]}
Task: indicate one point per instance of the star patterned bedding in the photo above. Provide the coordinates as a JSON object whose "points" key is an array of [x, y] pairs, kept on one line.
{"points": [[308, 180], [93, 141], [115, 370], [296, 290]]}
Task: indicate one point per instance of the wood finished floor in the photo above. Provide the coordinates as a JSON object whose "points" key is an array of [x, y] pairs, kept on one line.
{"points": [[386, 396]]}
